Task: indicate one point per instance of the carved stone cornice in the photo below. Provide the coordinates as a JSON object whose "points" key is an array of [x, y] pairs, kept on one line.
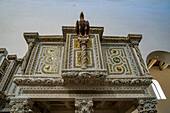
{"points": [[12, 57], [33, 80], [3, 51], [31, 37], [147, 105], [135, 38], [130, 81], [50, 38], [72, 29], [75, 77]]}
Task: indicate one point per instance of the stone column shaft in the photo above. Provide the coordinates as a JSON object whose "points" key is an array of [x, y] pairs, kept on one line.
{"points": [[141, 59], [24, 64]]}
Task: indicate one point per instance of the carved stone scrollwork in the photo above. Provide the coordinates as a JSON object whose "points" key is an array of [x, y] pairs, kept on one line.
{"points": [[39, 81], [147, 105], [84, 77], [21, 106], [84, 106]]}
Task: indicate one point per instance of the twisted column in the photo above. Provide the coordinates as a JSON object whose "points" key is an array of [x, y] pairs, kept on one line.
{"points": [[141, 59], [83, 45]]}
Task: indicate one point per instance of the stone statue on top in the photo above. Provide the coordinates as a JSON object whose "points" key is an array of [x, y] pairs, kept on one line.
{"points": [[82, 26]]}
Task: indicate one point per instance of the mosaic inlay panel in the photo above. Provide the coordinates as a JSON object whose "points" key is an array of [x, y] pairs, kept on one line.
{"points": [[78, 59], [116, 61], [77, 54], [49, 60]]}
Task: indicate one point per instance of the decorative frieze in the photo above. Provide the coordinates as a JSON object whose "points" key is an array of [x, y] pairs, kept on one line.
{"points": [[132, 81], [83, 76], [37, 80]]}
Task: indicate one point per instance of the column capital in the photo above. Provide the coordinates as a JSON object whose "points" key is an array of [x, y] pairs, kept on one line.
{"points": [[21, 105], [84, 105], [3, 51], [135, 39], [147, 105], [12, 57], [31, 37]]}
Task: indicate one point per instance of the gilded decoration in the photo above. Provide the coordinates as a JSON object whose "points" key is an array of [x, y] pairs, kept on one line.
{"points": [[49, 60], [116, 61]]}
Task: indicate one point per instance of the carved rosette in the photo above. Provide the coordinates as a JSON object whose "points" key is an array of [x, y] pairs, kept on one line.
{"points": [[21, 105], [84, 106], [147, 105], [83, 77]]}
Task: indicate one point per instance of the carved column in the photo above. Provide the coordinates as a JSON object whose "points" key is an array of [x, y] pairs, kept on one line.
{"points": [[147, 105], [84, 106], [83, 45], [135, 39], [26, 58], [21, 106]]}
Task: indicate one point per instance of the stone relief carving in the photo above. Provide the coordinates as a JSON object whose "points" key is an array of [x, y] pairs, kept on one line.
{"points": [[21, 106], [127, 81], [38, 80], [147, 105], [84, 106], [84, 77]]}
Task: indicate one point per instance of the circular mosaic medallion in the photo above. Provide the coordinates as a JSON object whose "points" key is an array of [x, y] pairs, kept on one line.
{"points": [[116, 59], [114, 51], [49, 59], [118, 69], [51, 51], [47, 68]]}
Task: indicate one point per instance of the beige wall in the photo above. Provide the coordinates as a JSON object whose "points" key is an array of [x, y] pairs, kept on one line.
{"points": [[163, 77]]}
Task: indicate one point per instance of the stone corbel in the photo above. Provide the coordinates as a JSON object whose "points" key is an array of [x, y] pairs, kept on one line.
{"points": [[21, 105], [147, 105], [84, 105]]}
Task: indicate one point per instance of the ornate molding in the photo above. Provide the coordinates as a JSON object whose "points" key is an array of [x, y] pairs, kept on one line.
{"points": [[84, 106], [131, 81], [33, 80], [21, 105], [75, 77], [147, 105]]}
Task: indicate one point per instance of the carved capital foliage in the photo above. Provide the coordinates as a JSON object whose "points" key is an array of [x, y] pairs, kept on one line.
{"points": [[84, 77], [37, 80], [133, 81], [147, 105], [21, 105], [84, 106]]}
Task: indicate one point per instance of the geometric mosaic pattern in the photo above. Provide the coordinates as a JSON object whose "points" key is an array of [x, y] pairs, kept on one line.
{"points": [[49, 60], [116, 61]]}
